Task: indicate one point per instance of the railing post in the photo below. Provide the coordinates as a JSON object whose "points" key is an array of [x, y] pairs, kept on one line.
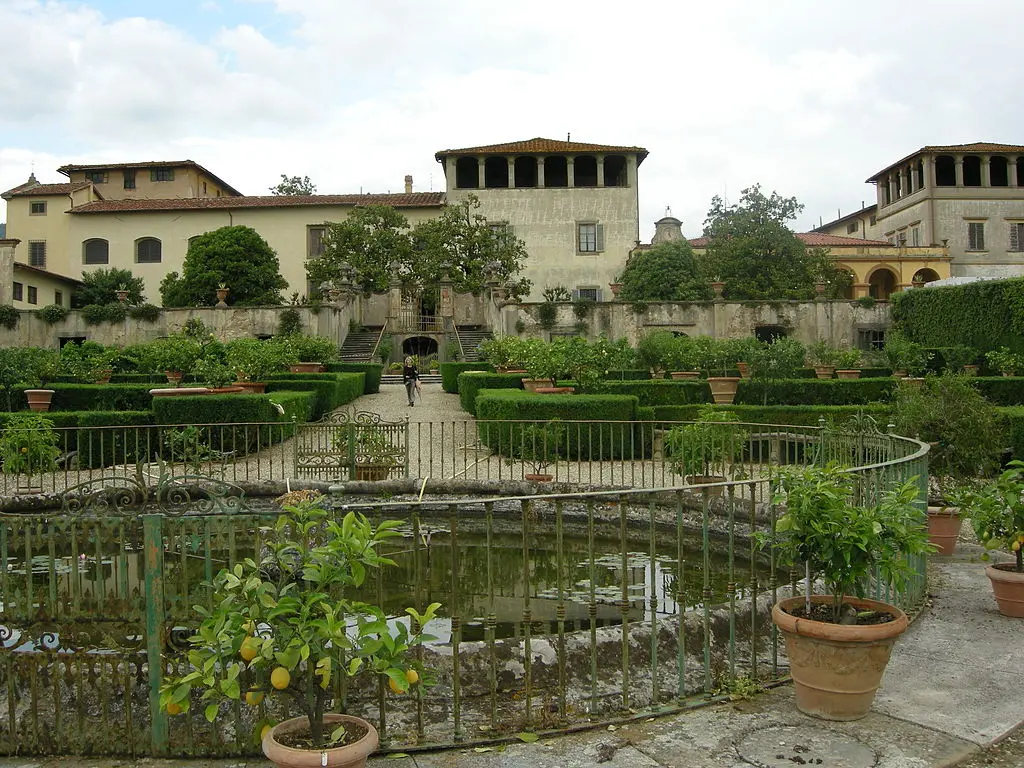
{"points": [[153, 565]]}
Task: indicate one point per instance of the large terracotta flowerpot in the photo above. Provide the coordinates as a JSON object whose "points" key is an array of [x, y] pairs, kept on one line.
{"points": [[173, 377], [531, 385], [39, 399], [971, 370], [555, 390], [685, 375], [944, 528], [616, 287], [538, 478], [744, 369], [824, 371], [848, 374], [348, 756], [836, 668], [1008, 588], [306, 368], [723, 388], [373, 472], [252, 387]]}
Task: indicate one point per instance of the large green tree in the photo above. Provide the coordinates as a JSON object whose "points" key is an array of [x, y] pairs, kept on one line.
{"points": [[294, 185], [233, 256], [665, 272], [363, 248], [753, 251], [100, 286]]}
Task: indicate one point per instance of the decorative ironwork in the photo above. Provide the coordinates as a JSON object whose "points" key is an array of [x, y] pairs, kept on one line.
{"points": [[356, 445], [198, 495], [106, 495]]}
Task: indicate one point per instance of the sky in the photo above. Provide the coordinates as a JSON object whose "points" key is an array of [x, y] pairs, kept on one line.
{"points": [[806, 97]]}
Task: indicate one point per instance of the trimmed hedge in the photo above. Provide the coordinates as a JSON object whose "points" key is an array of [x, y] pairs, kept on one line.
{"points": [[657, 391], [796, 415], [815, 391], [450, 374], [92, 397], [1014, 420], [97, 448], [601, 440], [1000, 390], [629, 374], [373, 373], [330, 389], [471, 383]]}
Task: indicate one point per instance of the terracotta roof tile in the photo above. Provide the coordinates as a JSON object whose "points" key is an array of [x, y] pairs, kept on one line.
{"points": [[19, 266], [67, 170], [540, 146], [410, 200], [42, 190], [815, 240], [976, 146]]}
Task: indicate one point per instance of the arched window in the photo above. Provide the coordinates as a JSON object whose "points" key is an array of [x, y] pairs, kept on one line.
{"points": [[945, 171], [556, 171], [972, 171], [924, 275], [96, 251], [496, 173], [585, 171], [615, 171], [998, 171], [467, 174], [526, 171], [882, 284], [148, 250]]}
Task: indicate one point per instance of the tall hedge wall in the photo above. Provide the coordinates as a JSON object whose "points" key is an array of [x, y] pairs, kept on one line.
{"points": [[815, 391], [798, 415], [373, 373], [330, 389], [450, 374], [470, 383], [984, 315], [653, 392]]}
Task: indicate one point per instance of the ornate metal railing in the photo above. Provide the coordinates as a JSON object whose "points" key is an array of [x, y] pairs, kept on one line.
{"points": [[413, 322], [559, 609]]}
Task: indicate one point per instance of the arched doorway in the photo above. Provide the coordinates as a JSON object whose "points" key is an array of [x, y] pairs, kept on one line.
{"points": [[925, 275], [882, 284], [419, 345], [766, 334]]}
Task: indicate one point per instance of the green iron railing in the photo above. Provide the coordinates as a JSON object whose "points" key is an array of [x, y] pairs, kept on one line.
{"points": [[559, 609]]}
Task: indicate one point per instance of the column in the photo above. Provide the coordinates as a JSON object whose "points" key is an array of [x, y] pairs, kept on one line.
{"points": [[447, 297], [7, 270], [926, 172], [1011, 168], [480, 163], [511, 172], [892, 187], [986, 176], [540, 172], [570, 169], [958, 162], [600, 170], [911, 180]]}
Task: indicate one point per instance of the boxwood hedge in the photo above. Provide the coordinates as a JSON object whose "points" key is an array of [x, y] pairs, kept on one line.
{"points": [[93, 397], [450, 374], [815, 391], [657, 391], [471, 382], [330, 389], [372, 370]]}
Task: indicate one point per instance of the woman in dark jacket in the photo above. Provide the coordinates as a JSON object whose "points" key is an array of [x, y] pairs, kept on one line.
{"points": [[410, 377]]}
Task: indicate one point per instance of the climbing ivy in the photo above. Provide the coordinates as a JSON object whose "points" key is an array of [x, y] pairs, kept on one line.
{"points": [[983, 315]]}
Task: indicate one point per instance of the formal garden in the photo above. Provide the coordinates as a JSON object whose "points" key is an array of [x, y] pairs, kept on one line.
{"points": [[191, 561]]}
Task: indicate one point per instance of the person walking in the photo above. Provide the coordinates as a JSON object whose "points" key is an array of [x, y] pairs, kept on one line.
{"points": [[411, 379]]}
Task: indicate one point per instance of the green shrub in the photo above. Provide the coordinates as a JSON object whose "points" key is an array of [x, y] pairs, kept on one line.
{"points": [[547, 315], [372, 370], [9, 317], [289, 322], [628, 374], [312, 349], [339, 389], [591, 429], [450, 374], [471, 382], [146, 313], [95, 397], [815, 392], [52, 313], [653, 392], [28, 445], [795, 415], [1000, 390], [113, 438]]}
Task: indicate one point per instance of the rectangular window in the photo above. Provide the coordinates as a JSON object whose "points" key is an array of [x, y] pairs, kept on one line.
{"points": [[58, 298], [870, 338], [315, 248], [96, 177], [161, 174], [33, 295], [975, 236], [588, 294], [901, 238], [589, 237], [874, 220], [852, 227], [915, 237], [18, 292], [1017, 236], [37, 208], [129, 178], [37, 254]]}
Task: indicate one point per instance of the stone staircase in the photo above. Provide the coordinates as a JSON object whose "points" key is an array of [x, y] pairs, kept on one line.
{"points": [[359, 344], [471, 336], [396, 378]]}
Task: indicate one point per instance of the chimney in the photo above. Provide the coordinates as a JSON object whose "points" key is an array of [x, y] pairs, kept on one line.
{"points": [[408, 184]]}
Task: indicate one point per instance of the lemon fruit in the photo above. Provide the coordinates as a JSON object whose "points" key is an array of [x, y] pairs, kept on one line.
{"points": [[264, 731], [253, 698], [280, 678], [250, 648], [412, 676], [394, 686]]}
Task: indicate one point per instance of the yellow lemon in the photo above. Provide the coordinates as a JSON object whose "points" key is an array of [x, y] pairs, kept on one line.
{"points": [[250, 648], [280, 678], [264, 731], [412, 676], [1015, 546], [253, 698], [249, 626], [394, 686], [173, 709]]}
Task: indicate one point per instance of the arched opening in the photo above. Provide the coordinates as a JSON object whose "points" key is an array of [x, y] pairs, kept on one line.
{"points": [[998, 171], [766, 334], [945, 171], [495, 172], [556, 171], [148, 250], [919, 171], [882, 284], [844, 284], [419, 345], [526, 172], [585, 171], [1020, 171], [615, 171], [925, 275], [96, 251], [972, 171], [467, 173]]}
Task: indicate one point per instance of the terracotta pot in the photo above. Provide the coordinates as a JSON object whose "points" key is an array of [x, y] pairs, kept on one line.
{"points": [[899, 373], [252, 387], [349, 756], [531, 385], [836, 668], [912, 381], [39, 399], [616, 287], [555, 390], [226, 390], [944, 528], [539, 478], [744, 369], [971, 370], [1008, 589], [173, 377], [685, 375], [104, 377], [306, 368], [848, 374], [723, 388], [122, 296], [824, 371]]}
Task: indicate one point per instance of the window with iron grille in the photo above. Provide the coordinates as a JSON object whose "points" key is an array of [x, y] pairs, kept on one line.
{"points": [[316, 242], [975, 236], [33, 295], [37, 254], [1017, 236], [18, 291], [161, 174], [870, 338], [37, 208], [148, 251], [587, 294], [95, 251], [590, 237]]}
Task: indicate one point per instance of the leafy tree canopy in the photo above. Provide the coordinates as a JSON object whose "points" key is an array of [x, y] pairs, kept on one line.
{"points": [[666, 272], [294, 185], [236, 257], [100, 286], [376, 242], [757, 256]]}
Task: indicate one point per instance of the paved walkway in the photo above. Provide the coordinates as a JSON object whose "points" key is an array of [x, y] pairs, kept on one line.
{"points": [[952, 689]]}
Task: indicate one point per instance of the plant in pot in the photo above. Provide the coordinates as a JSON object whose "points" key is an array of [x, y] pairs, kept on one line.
{"points": [[286, 627], [583, 363], [544, 362], [738, 352], [905, 357], [29, 446], [538, 446], [367, 451], [1005, 361], [996, 511], [702, 451], [254, 361], [313, 352], [38, 367], [823, 357], [721, 354], [839, 642], [175, 356], [217, 375], [654, 351], [961, 359], [682, 357], [88, 361], [776, 361], [848, 363]]}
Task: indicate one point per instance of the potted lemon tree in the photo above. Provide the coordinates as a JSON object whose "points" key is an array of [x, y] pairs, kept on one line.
{"points": [[284, 628], [700, 450], [839, 642]]}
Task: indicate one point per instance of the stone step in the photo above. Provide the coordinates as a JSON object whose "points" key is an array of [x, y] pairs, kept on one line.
{"points": [[396, 378]]}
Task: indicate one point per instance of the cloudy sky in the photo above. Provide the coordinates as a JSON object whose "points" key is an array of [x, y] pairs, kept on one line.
{"points": [[807, 97]]}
